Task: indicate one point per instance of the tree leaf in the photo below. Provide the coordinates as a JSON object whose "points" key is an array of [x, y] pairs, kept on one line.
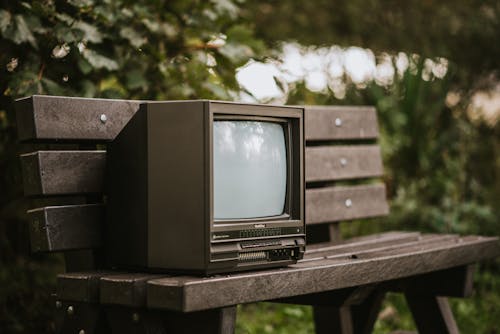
{"points": [[135, 39], [5, 19], [99, 61], [19, 32], [90, 32]]}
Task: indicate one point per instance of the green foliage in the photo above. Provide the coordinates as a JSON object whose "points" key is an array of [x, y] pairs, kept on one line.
{"points": [[155, 50]]}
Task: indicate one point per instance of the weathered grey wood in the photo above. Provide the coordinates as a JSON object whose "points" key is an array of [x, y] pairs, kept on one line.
{"points": [[373, 242], [82, 287], [330, 319], [69, 227], [431, 314], [345, 203], [71, 172], [125, 289], [79, 226], [315, 276], [63, 172], [340, 122], [328, 163], [72, 118]]}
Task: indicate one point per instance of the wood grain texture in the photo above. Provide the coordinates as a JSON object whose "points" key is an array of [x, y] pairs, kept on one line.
{"points": [[345, 203], [62, 228], [124, 289], [72, 118], [189, 293], [63, 172], [329, 163], [316, 276], [340, 122], [71, 227], [81, 286], [71, 172]]}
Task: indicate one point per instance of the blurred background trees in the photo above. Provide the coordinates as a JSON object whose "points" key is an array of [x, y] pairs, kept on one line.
{"points": [[439, 120]]}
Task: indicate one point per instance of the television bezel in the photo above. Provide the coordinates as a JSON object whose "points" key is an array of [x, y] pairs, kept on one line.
{"points": [[292, 218]]}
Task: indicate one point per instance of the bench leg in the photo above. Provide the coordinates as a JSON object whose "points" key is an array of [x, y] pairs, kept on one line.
{"points": [[432, 314], [356, 319], [133, 321], [333, 320], [365, 315]]}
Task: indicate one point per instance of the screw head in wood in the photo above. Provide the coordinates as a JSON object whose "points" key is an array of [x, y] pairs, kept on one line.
{"points": [[58, 304], [338, 122], [70, 310], [348, 202], [343, 162], [103, 118], [135, 317]]}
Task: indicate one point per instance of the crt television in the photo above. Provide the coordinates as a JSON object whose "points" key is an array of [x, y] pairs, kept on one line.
{"points": [[206, 187]]}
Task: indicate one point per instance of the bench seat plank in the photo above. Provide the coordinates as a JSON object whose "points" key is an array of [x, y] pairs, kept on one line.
{"points": [[317, 276], [189, 293]]}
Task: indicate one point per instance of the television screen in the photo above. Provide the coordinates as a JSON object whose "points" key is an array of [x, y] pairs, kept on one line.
{"points": [[250, 169]]}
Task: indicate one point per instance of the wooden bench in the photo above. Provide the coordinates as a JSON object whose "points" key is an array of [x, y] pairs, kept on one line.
{"points": [[345, 281]]}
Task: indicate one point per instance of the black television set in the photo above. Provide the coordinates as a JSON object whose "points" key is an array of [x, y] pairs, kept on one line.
{"points": [[206, 187]]}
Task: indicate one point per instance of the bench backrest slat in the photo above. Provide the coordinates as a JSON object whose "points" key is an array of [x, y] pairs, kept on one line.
{"points": [[73, 172], [79, 119], [340, 147]]}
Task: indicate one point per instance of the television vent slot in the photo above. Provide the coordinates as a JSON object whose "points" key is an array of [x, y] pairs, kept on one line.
{"points": [[252, 256]]}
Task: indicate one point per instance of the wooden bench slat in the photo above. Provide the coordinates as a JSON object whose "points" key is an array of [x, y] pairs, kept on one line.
{"points": [[72, 172], [82, 287], [69, 227], [345, 203], [189, 293], [374, 241], [125, 289], [42, 117], [72, 118], [316, 276], [63, 172], [323, 123], [325, 163]]}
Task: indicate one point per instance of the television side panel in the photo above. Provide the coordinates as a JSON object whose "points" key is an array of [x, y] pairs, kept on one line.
{"points": [[126, 189], [177, 163]]}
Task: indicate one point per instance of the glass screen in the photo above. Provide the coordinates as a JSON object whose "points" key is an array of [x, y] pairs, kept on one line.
{"points": [[250, 169]]}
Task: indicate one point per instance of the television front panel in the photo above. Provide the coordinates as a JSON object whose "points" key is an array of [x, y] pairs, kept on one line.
{"points": [[207, 186]]}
